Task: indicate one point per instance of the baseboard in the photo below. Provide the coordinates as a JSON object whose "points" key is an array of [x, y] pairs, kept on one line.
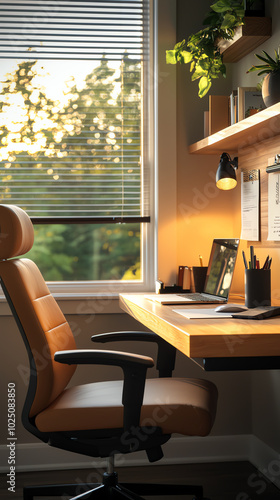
{"points": [[32, 457]]}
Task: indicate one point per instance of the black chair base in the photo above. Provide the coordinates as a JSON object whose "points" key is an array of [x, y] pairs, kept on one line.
{"points": [[111, 489]]}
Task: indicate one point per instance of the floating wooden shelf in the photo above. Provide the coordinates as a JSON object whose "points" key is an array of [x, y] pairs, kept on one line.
{"points": [[241, 135], [247, 37]]}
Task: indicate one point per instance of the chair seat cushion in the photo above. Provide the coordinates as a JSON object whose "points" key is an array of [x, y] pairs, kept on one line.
{"points": [[177, 405]]}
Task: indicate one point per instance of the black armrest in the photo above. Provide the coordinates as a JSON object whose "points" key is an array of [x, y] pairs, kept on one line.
{"points": [[97, 357], [134, 369], [166, 352]]}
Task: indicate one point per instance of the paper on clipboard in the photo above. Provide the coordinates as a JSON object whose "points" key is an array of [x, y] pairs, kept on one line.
{"points": [[273, 206], [250, 204]]}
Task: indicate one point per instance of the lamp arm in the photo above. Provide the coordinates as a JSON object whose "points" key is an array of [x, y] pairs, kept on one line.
{"points": [[234, 162]]}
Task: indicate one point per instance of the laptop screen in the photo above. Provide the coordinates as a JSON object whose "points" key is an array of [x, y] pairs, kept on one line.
{"points": [[221, 266]]}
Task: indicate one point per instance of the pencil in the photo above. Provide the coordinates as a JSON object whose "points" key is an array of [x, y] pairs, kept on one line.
{"points": [[244, 259]]}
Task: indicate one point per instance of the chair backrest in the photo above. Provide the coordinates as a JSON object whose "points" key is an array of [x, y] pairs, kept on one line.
{"points": [[41, 322]]}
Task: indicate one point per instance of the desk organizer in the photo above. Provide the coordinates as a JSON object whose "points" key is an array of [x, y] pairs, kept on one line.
{"points": [[198, 277], [190, 279], [257, 287]]}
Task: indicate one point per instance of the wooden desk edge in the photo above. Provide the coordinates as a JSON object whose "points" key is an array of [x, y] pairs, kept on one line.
{"points": [[265, 342]]}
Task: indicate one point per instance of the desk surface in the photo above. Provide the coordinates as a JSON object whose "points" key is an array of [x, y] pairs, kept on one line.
{"points": [[206, 338]]}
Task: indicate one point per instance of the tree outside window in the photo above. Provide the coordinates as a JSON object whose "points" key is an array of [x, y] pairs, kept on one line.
{"points": [[80, 151]]}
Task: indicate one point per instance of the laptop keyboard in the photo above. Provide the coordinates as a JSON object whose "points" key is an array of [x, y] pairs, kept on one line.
{"points": [[198, 297]]}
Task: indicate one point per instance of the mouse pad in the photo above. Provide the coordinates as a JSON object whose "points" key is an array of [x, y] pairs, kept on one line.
{"points": [[202, 313], [258, 313]]}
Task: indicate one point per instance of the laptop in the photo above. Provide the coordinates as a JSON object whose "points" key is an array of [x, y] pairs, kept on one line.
{"points": [[218, 278]]}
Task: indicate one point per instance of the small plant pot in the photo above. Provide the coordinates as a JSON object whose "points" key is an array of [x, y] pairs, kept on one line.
{"points": [[271, 88]]}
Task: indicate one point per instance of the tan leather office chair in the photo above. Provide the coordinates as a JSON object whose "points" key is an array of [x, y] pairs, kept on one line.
{"points": [[96, 419]]}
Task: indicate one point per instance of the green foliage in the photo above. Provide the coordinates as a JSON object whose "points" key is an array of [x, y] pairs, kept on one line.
{"points": [[270, 65], [50, 252], [201, 50], [73, 252]]}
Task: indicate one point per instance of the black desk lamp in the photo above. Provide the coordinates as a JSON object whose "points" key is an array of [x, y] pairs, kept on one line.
{"points": [[226, 173]]}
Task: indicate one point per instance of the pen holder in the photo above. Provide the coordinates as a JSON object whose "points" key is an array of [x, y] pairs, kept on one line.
{"points": [[257, 287], [198, 276]]}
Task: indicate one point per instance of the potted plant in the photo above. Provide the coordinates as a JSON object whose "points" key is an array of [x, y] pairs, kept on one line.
{"points": [[201, 49], [271, 82]]}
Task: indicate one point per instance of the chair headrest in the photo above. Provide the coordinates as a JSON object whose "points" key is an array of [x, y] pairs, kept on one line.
{"points": [[16, 232]]}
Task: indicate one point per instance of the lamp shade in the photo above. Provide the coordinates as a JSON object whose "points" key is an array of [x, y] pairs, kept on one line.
{"points": [[226, 173]]}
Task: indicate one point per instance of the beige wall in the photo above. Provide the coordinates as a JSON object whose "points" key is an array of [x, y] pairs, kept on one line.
{"points": [[166, 134], [203, 211]]}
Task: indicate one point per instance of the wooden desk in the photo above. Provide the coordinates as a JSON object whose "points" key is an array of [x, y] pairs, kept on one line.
{"points": [[222, 344]]}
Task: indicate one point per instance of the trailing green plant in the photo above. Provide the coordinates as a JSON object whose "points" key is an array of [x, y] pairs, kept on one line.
{"points": [[271, 65], [201, 49]]}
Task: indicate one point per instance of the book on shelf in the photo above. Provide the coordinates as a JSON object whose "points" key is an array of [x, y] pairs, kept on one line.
{"points": [[233, 107]]}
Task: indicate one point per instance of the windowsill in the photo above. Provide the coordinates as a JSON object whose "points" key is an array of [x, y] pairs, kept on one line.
{"points": [[78, 304]]}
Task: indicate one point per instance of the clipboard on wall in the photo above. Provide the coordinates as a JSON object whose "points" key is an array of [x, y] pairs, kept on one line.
{"points": [[274, 206], [250, 205]]}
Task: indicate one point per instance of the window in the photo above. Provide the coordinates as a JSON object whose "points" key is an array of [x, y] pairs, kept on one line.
{"points": [[74, 133]]}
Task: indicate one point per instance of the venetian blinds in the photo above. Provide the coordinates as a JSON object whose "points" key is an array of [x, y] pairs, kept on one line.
{"points": [[71, 108]]}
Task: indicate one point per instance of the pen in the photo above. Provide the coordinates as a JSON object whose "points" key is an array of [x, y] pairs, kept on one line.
{"points": [[269, 263], [266, 262], [252, 257], [245, 260], [200, 260]]}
